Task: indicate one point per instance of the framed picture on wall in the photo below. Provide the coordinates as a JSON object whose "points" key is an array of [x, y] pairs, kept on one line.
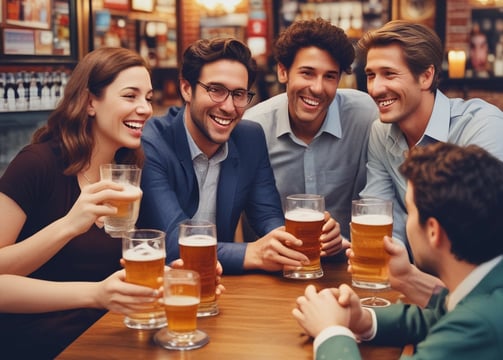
{"points": [[485, 47], [19, 42], [420, 11], [42, 31]]}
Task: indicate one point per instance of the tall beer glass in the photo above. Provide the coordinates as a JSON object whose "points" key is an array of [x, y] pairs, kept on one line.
{"points": [[371, 220], [127, 210], [144, 254], [181, 299], [304, 217], [198, 250]]}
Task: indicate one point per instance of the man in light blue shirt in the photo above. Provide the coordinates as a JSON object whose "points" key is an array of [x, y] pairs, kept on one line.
{"points": [[403, 65], [317, 134]]}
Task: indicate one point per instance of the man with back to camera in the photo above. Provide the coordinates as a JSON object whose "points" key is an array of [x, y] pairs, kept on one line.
{"points": [[454, 200]]}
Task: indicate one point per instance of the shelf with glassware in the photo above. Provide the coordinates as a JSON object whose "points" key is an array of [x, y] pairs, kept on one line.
{"points": [[30, 90]]}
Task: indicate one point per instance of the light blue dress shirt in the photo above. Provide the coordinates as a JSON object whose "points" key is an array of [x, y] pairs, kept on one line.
{"points": [[333, 164], [207, 173], [455, 121]]}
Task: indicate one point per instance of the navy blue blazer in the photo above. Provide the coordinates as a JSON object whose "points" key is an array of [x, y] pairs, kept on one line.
{"points": [[171, 192]]}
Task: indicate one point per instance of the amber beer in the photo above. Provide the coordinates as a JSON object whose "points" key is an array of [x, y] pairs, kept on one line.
{"points": [[181, 312], [144, 259], [182, 290], [370, 261], [199, 253], [306, 225], [127, 210]]}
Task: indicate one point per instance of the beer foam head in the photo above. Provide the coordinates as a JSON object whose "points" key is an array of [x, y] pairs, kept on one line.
{"points": [[197, 240], [131, 190], [181, 300], [301, 214], [372, 219], [143, 252]]}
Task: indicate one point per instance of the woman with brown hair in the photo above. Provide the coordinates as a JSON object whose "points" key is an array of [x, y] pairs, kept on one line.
{"points": [[52, 202]]}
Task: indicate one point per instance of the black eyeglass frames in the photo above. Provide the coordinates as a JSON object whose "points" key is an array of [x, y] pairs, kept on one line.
{"points": [[219, 93]]}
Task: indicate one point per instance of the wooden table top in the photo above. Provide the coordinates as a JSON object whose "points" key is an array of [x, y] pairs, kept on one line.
{"points": [[255, 322]]}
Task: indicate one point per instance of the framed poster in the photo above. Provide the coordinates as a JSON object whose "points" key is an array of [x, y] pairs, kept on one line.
{"points": [[29, 13], [19, 42], [42, 31], [485, 44]]}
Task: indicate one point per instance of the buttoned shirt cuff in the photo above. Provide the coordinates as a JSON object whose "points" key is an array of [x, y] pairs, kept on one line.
{"points": [[329, 332], [371, 333]]}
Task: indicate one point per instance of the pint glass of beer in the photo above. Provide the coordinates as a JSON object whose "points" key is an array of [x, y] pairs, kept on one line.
{"points": [[304, 218], [144, 254], [127, 210], [371, 220], [181, 299], [197, 240]]}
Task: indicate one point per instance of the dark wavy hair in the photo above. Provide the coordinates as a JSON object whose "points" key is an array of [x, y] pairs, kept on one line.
{"points": [[69, 124], [205, 51], [461, 187], [319, 33]]}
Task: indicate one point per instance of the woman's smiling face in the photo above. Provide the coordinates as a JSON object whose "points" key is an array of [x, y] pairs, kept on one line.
{"points": [[121, 112]]}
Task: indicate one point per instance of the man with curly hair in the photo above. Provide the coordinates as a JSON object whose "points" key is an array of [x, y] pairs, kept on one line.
{"points": [[317, 134]]}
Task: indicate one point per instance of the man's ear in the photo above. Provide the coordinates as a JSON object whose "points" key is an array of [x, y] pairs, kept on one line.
{"points": [[282, 73], [426, 78], [185, 90], [436, 233]]}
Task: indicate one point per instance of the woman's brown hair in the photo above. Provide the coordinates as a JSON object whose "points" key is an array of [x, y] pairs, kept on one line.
{"points": [[70, 125]]}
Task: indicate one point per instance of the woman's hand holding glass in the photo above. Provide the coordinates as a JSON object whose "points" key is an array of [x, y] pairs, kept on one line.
{"points": [[118, 296], [90, 207]]}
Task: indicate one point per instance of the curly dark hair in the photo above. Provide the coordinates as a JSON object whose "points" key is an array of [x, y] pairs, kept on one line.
{"points": [[461, 187], [319, 33]]}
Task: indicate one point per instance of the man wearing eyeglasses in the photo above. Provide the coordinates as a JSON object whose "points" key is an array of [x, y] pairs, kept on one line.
{"points": [[317, 134], [203, 162]]}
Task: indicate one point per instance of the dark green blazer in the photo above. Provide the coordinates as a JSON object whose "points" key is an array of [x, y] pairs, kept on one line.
{"points": [[473, 330]]}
